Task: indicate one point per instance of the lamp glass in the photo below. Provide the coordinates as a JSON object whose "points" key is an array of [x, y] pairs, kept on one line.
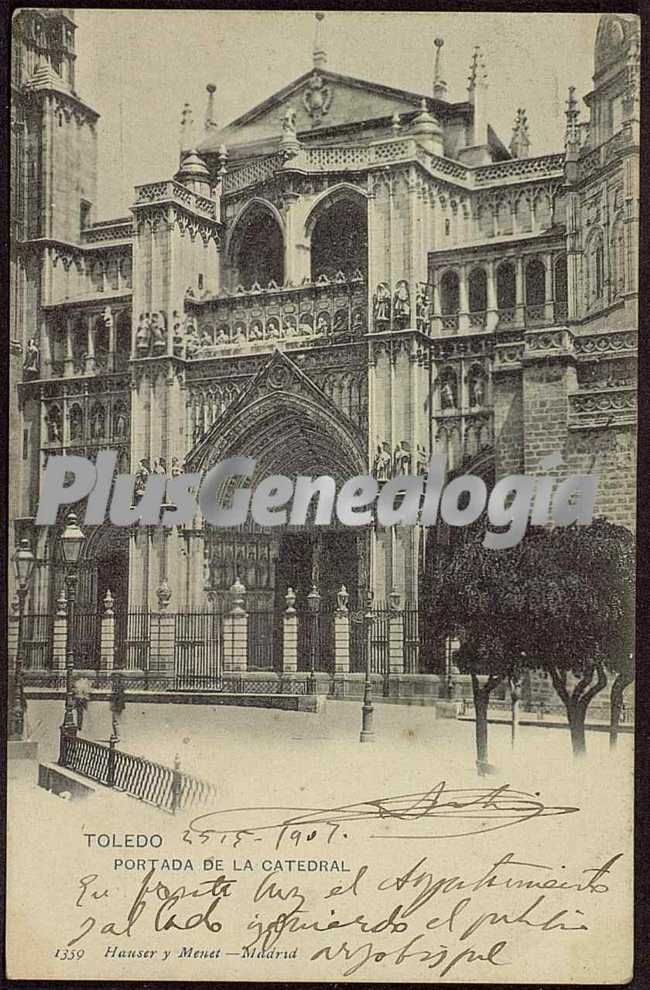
{"points": [[24, 563], [72, 540]]}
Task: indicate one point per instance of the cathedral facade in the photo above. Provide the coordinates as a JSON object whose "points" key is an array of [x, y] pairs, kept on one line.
{"points": [[347, 278]]}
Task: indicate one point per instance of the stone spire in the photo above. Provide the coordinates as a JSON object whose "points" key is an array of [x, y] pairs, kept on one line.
{"points": [[439, 84], [477, 95], [572, 113], [187, 129], [520, 142], [319, 55], [210, 122]]}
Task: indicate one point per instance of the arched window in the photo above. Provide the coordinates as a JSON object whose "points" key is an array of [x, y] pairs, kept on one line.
{"points": [[339, 240], [543, 212], [535, 290], [506, 292], [79, 346], [449, 294], [112, 274], [485, 220], [102, 342], [523, 215], [504, 217], [477, 290], [125, 271], [123, 339], [560, 287], [257, 249]]}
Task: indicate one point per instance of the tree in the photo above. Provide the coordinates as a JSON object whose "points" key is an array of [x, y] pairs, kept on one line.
{"points": [[562, 600], [473, 597], [578, 583]]}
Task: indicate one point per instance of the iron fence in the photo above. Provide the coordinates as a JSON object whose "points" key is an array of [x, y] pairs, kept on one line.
{"points": [[411, 641], [132, 639], [316, 640], [198, 649], [84, 634], [264, 639], [36, 641], [166, 788]]}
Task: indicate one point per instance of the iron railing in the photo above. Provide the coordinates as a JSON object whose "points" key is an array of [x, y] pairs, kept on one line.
{"points": [[198, 649], [264, 640], [411, 641], [37, 641], [316, 640], [132, 640], [164, 787]]}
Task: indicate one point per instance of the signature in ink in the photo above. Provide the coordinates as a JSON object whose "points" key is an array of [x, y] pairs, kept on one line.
{"points": [[439, 813]]}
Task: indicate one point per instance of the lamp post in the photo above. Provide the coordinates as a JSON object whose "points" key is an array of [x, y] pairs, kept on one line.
{"points": [[367, 712], [24, 567], [313, 604], [71, 542]]}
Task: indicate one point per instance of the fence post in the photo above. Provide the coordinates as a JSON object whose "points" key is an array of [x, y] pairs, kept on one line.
{"points": [[176, 784], [290, 635], [395, 635], [60, 633], [162, 631], [107, 647], [342, 633], [235, 632], [111, 761]]}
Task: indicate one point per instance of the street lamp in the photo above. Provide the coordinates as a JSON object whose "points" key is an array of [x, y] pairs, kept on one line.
{"points": [[24, 567], [72, 540], [367, 732], [313, 604]]}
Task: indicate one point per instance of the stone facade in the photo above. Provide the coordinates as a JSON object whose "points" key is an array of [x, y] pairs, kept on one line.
{"points": [[347, 277]]}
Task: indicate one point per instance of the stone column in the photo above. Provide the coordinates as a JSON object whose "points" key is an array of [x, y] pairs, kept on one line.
{"points": [[68, 364], [162, 632], [60, 633], [107, 648], [463, 303], [395, 636], [235, 632], [520, 307], [290, 635], [549, 307], [342, 633], [492, 315], [90, 353]]}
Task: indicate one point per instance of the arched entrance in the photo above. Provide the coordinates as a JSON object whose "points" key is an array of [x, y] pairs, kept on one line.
{"points": [[289, 429], [338, 232], [256, 250]]}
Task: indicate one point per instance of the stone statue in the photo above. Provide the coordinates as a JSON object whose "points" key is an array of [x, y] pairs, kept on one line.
{"points": [[422, 308], [98, 423], [54, 425], [108, 318], [289, 122], [476, 391], [76, 423], [159, 466], [381, 303], [176, 468], [141, 476], [448, 394], [158, 333], [120, 424], [421, 460], [401, 458], [32, 362], [143, 335], [402, 303], [382, 464]]}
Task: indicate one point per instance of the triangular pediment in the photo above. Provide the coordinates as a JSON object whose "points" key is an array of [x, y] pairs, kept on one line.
{"points": [[320, 99]]}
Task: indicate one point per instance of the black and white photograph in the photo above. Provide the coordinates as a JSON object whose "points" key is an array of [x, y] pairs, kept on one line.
{"points": [[322, 414]]}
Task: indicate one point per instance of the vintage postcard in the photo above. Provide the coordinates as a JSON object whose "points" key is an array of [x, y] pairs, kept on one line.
{"points": [[322, 481]]}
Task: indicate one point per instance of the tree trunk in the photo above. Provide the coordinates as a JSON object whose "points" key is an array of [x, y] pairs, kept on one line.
{"points": [[577, 714], [481, 699], [616, 706]]}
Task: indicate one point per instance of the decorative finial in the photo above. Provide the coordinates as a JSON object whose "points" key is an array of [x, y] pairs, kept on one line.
{"points": [[520, 142], [439, 84], [210, 119], [319, 55], [572, 113], [187, 126]]}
